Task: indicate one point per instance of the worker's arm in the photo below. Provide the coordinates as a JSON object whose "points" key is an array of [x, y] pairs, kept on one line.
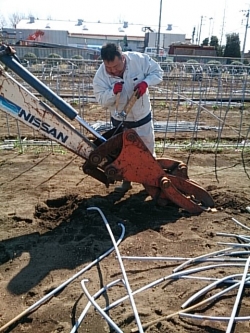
{"points": [[152, 70], [103, 87]]}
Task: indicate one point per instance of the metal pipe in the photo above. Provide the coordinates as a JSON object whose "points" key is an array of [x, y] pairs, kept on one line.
{"points": [[240, 237], [98, 308], [63, 285], [183, 310], [204, 290], [192, 260], [237, 253], [168, 277], [96, 295], [240, 290], [242, 225], [234, 244], [122, 268], [201, 317], [182, 259], [205, 278]]}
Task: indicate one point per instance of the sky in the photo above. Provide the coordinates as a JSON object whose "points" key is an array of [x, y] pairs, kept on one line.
{"points": [[208, 17]]}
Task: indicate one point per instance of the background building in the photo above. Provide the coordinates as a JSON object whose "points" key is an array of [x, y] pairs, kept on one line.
{"points": [[83, 35]]}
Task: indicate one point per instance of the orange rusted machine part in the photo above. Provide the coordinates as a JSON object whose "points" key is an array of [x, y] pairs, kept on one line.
{"points": [[164, 179]]}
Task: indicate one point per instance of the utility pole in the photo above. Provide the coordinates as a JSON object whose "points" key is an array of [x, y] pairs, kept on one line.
{"points": [[159, 31], [245, 37], [200, 30], [209, 32], [193, 34], [223, 23]]}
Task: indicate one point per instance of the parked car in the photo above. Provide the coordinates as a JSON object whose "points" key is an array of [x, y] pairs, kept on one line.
{"points": [[152, 51]]}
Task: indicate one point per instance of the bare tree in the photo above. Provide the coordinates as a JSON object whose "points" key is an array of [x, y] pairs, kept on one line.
{"points": [[15, 18], [2, 21]]}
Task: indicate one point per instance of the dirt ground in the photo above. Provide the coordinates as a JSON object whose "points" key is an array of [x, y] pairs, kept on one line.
{"points": [[48, 237]]}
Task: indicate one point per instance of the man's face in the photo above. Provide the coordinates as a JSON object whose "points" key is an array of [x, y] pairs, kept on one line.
{"points": [[115, 67]]}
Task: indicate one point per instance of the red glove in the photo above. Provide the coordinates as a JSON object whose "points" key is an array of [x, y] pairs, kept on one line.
{"points": [[141, 89], [117, 87]]}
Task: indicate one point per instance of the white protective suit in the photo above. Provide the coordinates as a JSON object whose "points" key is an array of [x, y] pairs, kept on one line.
{"points": [[139, 67]]}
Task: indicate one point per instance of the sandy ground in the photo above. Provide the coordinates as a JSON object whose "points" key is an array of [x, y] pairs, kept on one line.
{"points": [[48, 236]]}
